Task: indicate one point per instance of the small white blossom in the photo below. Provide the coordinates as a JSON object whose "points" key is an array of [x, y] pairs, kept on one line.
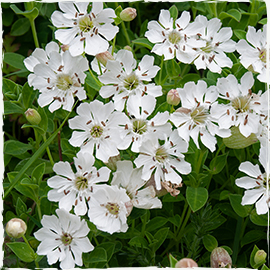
{"points": [[194, 117], [108, 209], [131, 180], [165, 160], [63, 238], [100, 126], [253, 52], [73, 189], [218, 40], [122, 79], [83, 31]]}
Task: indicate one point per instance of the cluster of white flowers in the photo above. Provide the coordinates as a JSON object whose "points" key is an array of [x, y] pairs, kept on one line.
{"points": [[158, 140]]}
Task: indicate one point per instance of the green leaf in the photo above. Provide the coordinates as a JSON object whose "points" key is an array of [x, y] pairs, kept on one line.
{"points": [[44, 119], [91, 81], [109, 247], [10, 88], [241, 34], [159, 238], [13, 147], [263, 21], [30, 14], [169, 198], [210, 242], [21, 207], [10, 108], [252, 255], [20, 27], [218, 163], [252, 236], [97, 255], [232, 13], [138, 241], [196, 197], [172, 260], [172, 68], [240, 210], [173, 12], [118, 10], [228, 249], [28, 96], [155, 223], [37, 174], [7, 17], [260, 220], [189, 77], [22, 251], [14, 60], [264, 267], [143, 42]]}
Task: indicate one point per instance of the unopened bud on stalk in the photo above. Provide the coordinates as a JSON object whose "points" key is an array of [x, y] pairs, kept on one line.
{"points": [[16, 228], [186, 263], [32, 116], [128, 48], [104, 57], [128, 14], [64, 47], [111, 164], [173, 97], [260, 256], [220, 258]]}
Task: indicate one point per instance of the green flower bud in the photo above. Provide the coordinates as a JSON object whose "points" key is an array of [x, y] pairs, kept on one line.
{"points": [[260, 256], [239, 141], [64, 47], [173, 97], [16, 228], [220, 258], [128, 14], [186, 263], [128, 48], [104, 57], [32, 116], [111, 164]]}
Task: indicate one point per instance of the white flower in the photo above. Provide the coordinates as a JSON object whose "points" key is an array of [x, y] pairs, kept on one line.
{"points": [[73, 189], [100, 127], [173, 41], [83, 31], [59, 80], [139, 128], [122, 79], [108, 209], [39, 56], [243, 107], [164, 160], [194, 117], [63, 238], [254, 56], [257, 184], [131, 180], [218, 41]]}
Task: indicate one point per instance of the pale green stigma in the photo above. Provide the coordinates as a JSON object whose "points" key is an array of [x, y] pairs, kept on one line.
{"points": [[199, 115], [139, 126], [85, 24], [208, 48], [81, 183], [241, 104], [66, 239], [161, 154], [96, 131], [113, 208], [174, 37], [64, 82], [131, 81]]}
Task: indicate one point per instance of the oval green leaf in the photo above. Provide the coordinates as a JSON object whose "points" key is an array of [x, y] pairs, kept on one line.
{"points": [[22, 251], [240, 210], [196, 197], [210, 242]]}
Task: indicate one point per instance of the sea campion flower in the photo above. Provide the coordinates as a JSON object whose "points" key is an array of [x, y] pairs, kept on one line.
{"points": [[83, 31], [100, 128], [243, 108], [74, 189], [165, 160], [131, 180], [63, 238], [194, 117], [140, 128], [171, 41], [108, 209], [218, 41], [256, 183], [59, 80], [122, 79], [253, 53]]}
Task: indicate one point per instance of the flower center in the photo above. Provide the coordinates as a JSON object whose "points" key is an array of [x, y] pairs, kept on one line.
{"points": [[199, 115], [96, 131], [241, 104], [131, 81], [139, 126], [161, 154], [208, 48], [81, 183], [66, 239], [262, 55], [113, 208], [265, 181], [85, 24], [64, 82], [174, 37]]}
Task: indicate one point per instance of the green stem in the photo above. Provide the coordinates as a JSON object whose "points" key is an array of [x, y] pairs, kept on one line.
{"points": [[39, 210], [237, 239], [48, 150], [32, 251], [34, 32], [179, 236], [126, 33], [94, 77], [36, 137]]}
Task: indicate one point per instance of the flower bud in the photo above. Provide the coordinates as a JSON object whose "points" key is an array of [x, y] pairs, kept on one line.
{"points": [[129, 207], [104, 57], [111, 164], [239, 141], [186, 263], [220, 258], [128, 14], [32, 116], [128, 48], [64, 47], [16, 228], [260, 256], [152, 182], [183, 110], [173, 97]]}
